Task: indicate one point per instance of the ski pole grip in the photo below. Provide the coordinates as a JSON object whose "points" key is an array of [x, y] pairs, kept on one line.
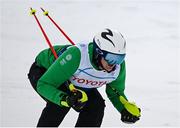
{"points": [[33, 11], [45, 12]]}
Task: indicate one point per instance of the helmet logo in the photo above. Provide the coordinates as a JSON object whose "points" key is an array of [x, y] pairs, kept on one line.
{"points": [[104, 35]]}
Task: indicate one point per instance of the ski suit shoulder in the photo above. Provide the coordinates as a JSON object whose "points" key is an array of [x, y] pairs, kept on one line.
{"points": [[45, 58], [119, 86], [58, 71]]}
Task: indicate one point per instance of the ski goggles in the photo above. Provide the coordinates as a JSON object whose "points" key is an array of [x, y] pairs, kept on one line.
{"points": [[114, 58], [111, 58]]}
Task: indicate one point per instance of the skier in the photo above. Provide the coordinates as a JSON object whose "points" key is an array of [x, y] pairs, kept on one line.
{"points": [[71, 81]]}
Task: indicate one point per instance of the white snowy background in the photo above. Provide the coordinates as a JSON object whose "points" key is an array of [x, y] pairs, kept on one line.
{"points": [[153, 58]]}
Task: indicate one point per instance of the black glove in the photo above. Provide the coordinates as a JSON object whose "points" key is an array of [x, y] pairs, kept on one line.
{"points": [[127, 117], [73, 100]]}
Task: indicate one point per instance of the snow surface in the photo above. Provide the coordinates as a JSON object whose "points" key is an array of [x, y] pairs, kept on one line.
{"points": [[151, 29]]}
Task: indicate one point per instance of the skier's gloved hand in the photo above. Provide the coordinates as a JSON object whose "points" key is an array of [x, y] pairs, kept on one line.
{"points": [[73, 100], [76, 99], [131, 112], [127, 117]]}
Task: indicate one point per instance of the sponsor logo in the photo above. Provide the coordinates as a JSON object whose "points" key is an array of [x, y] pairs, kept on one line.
{"points": [[88, 82], [63, 62], [67, 58]]}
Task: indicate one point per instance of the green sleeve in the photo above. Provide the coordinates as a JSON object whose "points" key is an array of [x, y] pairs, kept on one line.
{"points": [[59, 72], [45, 58], [119, 86]]}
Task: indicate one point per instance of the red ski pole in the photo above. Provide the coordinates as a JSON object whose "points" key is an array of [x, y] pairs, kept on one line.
{"points": [[46, 13], [33, 12], [71, 86]]}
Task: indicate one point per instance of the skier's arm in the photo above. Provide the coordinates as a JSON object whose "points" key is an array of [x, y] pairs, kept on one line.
{"points": [[119, 86], [59, 72], [46, 58]]}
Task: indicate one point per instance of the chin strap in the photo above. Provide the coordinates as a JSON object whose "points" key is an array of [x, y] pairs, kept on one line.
{"points": [[97, 61]]}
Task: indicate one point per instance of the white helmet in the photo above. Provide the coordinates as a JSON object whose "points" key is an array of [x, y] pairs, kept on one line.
{"points": [[111, 45]]}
